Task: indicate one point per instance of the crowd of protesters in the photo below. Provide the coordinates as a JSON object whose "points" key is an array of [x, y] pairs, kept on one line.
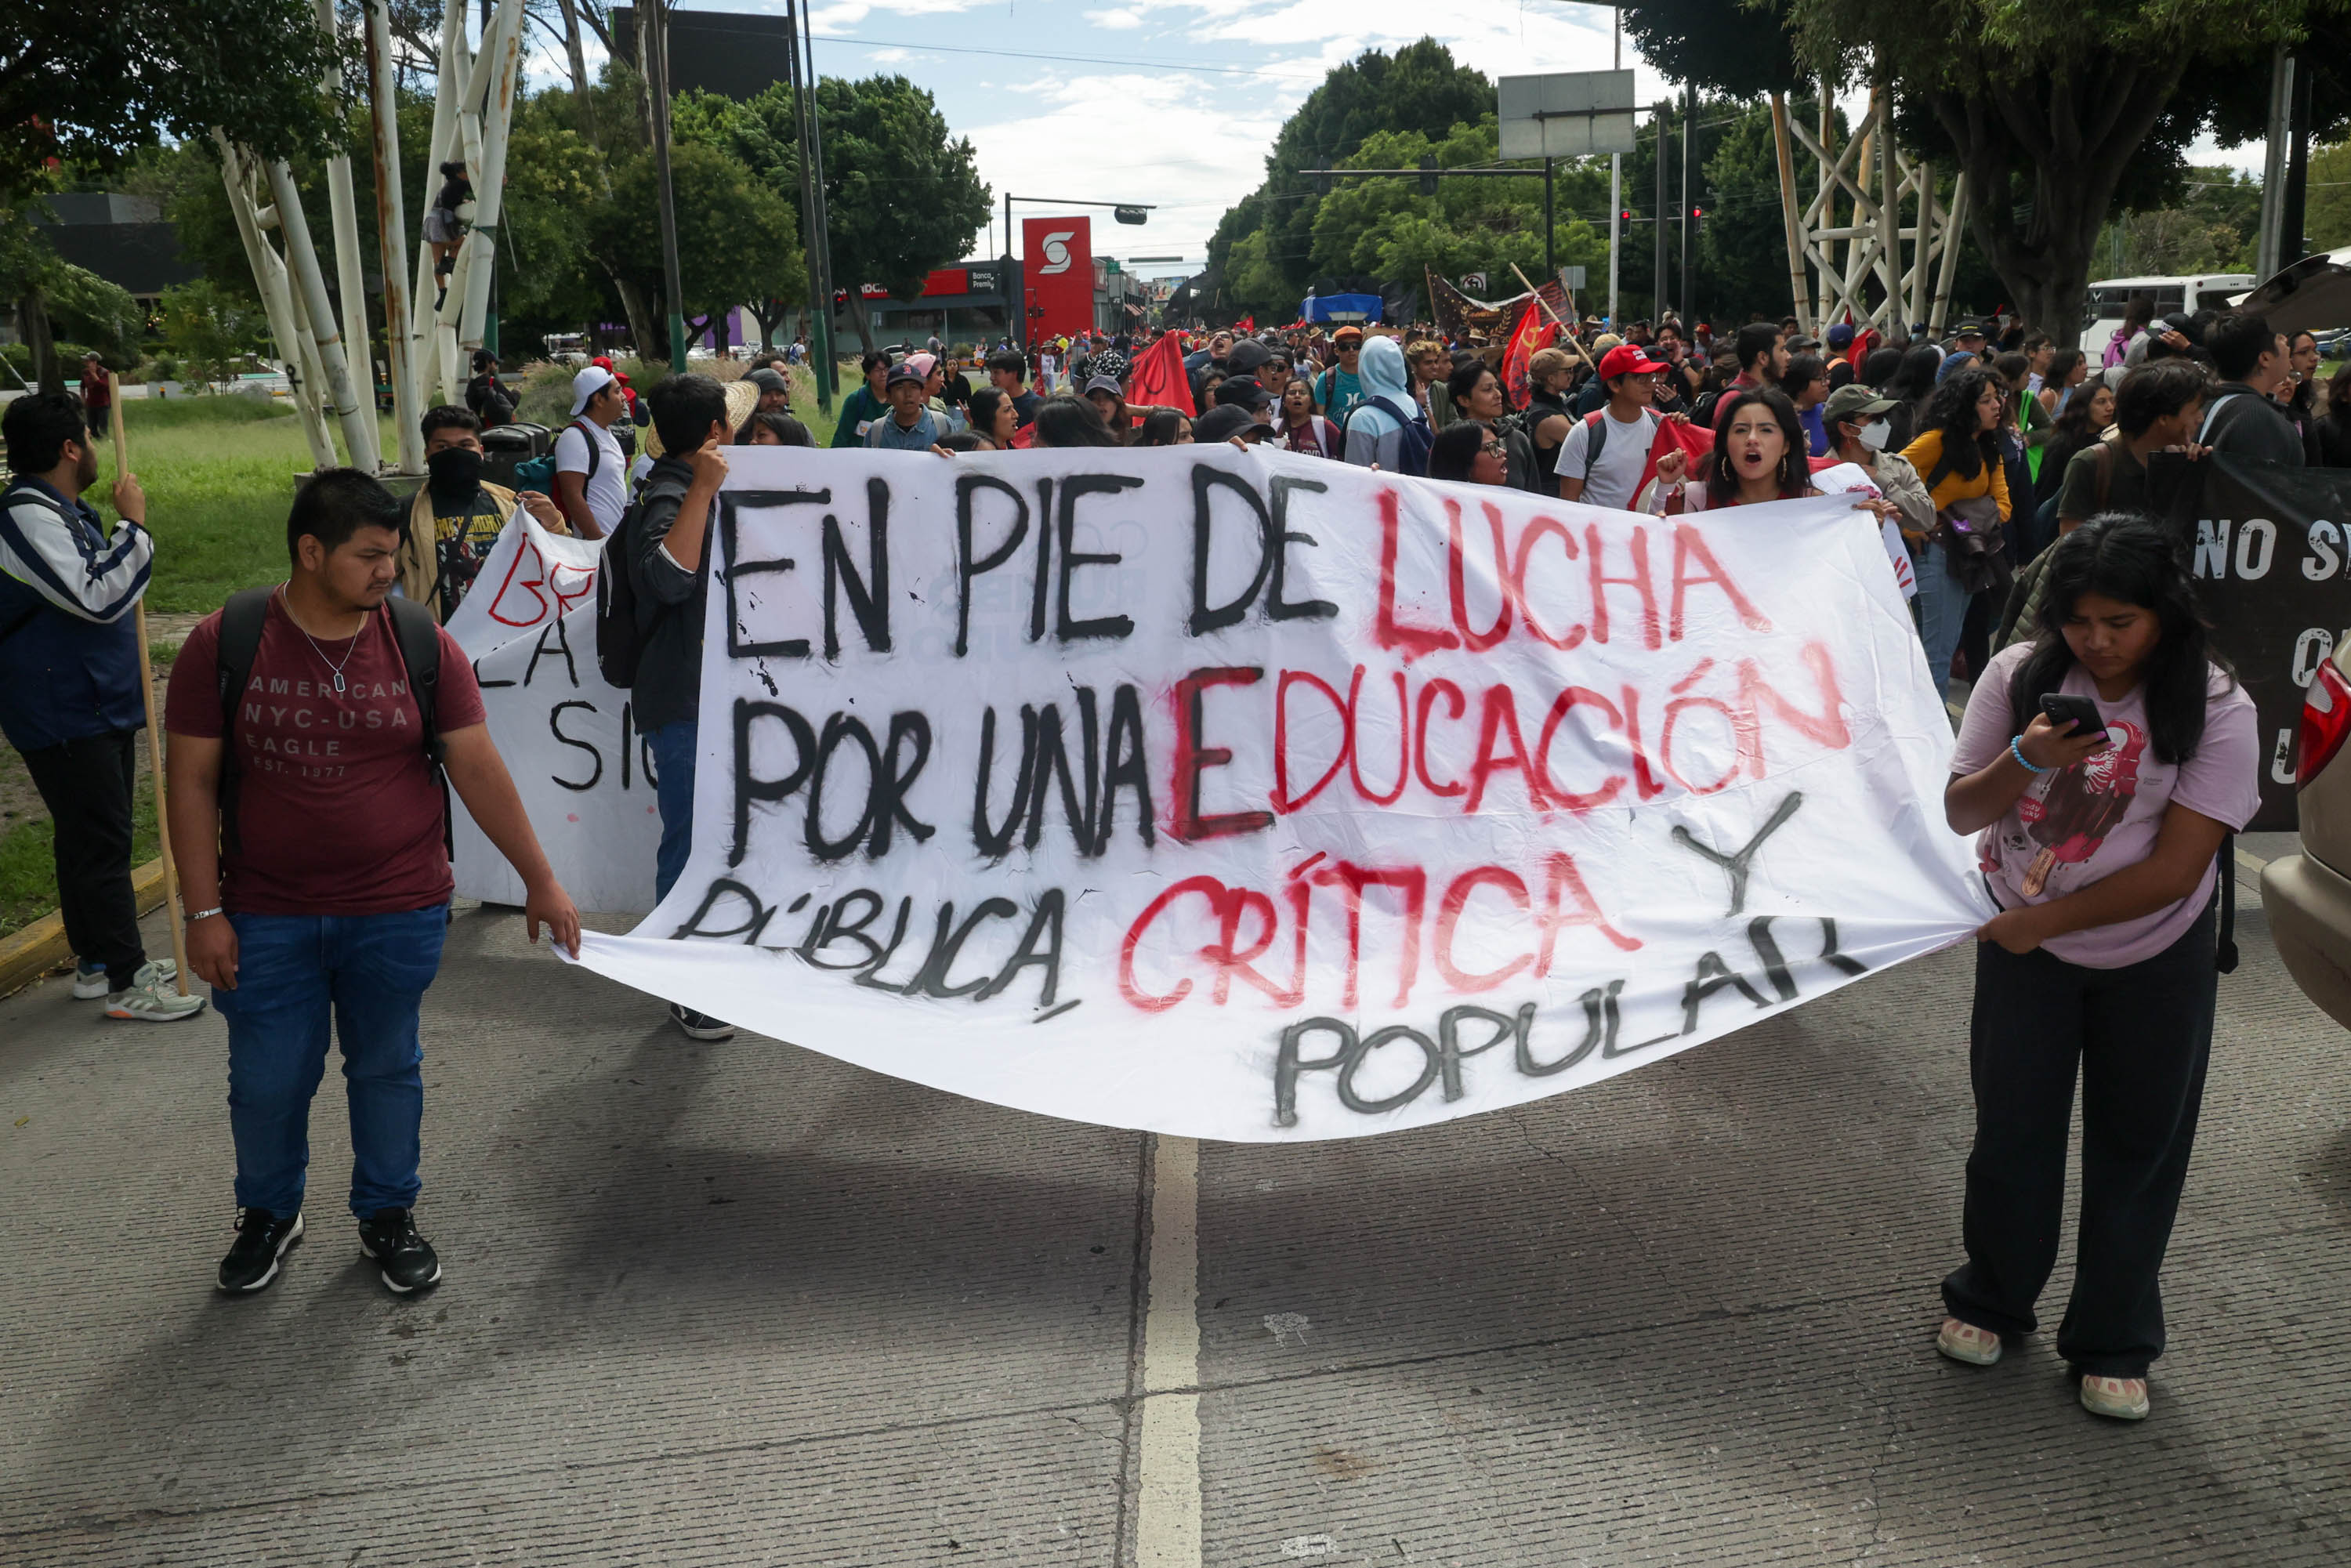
{"points": [[2008, 480]]}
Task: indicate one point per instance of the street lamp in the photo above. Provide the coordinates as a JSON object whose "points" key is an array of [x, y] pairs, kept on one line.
{"points": [[1016, 316]]}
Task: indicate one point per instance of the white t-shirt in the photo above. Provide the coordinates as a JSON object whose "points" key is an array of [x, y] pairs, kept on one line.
{"points": [[1624, 455], [608, 487]]}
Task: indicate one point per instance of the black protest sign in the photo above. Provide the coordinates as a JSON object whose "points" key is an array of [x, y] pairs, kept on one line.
{"points": [[2272, 569]]}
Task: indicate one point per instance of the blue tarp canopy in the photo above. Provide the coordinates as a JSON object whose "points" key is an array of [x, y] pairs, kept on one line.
{"points": [[1357, 307]]}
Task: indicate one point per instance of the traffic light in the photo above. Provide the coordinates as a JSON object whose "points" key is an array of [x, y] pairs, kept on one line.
{"points": [[1625, 216], [1428, 174]]}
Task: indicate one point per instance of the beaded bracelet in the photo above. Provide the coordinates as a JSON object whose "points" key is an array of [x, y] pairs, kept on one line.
{"points": [[2016, 751]]}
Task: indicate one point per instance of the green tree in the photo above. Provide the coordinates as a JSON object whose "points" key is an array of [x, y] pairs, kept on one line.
{"points": [[1384, 229], [88, 85], [758, 133], [736, 240], [2058, 114], [212, 329], [1419, 89], [903, 195], [2328, 218]]}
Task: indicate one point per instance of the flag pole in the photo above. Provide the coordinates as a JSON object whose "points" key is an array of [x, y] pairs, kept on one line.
{"points": [[1566, 330], [154, 725]]}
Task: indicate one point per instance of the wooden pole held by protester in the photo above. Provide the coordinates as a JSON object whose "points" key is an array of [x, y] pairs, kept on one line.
{"points": [[154, 720], [1565, 330]]}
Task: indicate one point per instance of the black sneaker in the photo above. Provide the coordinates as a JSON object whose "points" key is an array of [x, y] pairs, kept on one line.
{"points": [[262, 1239], [700, 1026], [409, 1261]]}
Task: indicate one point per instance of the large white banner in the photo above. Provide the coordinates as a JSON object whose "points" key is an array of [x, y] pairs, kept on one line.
{"points": [[1251, 795], [529, 626]]}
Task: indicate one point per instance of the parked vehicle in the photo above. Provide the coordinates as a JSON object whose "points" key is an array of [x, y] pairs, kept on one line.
{"points": [[2308, 895], [2103, 306]]}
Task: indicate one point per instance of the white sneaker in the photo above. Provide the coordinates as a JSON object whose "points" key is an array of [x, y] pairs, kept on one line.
{"points": [[154, 998], [89, 985]]}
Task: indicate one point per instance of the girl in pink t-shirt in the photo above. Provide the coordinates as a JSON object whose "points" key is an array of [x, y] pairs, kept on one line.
{"points": [[2100, 846]]}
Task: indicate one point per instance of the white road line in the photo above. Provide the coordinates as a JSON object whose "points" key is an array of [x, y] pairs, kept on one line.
{"points": [[1168, 1515], [2250, 862]]}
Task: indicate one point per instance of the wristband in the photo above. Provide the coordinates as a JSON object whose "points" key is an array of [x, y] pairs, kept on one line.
{"points": [[195, 915], [2016, 751]]}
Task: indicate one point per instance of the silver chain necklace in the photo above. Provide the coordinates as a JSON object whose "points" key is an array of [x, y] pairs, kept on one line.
{"points": [[333, 668]]}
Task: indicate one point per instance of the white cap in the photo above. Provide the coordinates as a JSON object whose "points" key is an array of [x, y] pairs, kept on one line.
{"points": [[587, 384]]}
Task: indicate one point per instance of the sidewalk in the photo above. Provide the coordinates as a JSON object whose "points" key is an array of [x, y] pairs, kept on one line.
{"points": [[743, 1304]]}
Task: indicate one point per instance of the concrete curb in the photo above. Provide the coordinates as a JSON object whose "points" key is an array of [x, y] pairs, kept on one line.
{"points": [[31, 953]]}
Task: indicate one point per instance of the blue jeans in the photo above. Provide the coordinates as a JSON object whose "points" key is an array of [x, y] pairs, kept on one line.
{"points": [[674, 748], [1942, 612], [295, 973]]}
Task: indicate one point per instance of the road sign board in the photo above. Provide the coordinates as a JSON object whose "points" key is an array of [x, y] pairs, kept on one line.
{"points": [[1566, 114]]}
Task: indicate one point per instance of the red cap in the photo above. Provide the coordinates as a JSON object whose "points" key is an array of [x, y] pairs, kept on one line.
{"points": [[1627, 360]]}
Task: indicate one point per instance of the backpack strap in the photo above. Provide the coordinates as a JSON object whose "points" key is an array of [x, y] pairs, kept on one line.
{"points": [[595, 451], [2204, 433], [242, 618], [418, 632], [2105, 461], [1595, 437]]}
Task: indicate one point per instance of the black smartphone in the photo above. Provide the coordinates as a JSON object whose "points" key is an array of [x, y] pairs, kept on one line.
{"points": [[2081, 710]]}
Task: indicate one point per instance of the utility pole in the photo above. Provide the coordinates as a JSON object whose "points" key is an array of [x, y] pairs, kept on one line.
{"points": [[1658, 304], [819, 310], [821, 242], [1616, 170], [654, 16], [2271, 246], [1550, 230], [1689, 126]]}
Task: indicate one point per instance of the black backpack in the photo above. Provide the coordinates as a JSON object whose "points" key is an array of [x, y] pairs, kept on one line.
{"points": [[619, 631], [413, 627]]}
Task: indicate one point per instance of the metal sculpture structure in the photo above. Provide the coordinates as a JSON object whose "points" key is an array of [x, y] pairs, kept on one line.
{"points": [[328, 364]]}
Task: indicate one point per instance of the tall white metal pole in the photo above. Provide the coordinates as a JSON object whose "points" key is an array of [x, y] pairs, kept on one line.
{"points": [[342, 216], [302, 260], [424, 356], [392, 236], [1615, 167], [269, 278], [490, 178]]}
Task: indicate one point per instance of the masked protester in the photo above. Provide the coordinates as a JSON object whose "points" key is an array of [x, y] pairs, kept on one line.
{"points": [[456, 518]]}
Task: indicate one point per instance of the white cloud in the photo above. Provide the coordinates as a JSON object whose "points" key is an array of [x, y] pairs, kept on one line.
{"points": [[1117, 20]]}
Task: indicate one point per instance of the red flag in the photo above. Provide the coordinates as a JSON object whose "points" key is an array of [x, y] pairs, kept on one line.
{"points": [[1676, 435], [1247, 323], [1521, 350], [1157, 377]]}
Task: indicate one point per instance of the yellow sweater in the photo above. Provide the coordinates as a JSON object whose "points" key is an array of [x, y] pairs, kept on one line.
{"points": [[1990, 478]]}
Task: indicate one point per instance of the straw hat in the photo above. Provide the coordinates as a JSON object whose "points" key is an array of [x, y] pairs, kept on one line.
{"points": [[742, 397]]}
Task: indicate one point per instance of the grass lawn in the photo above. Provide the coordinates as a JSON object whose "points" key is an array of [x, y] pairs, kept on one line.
{"points": [[29, 877], [219, 476]]}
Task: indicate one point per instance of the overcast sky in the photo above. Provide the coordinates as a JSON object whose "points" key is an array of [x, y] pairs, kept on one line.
{"points": [[1153, 100], [1166, 103]]}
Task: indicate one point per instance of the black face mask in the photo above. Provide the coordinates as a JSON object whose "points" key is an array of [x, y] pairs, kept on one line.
{"points": [[454, 470]]}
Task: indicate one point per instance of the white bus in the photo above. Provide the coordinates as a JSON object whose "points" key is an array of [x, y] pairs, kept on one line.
{"points": [[2103, 306]]}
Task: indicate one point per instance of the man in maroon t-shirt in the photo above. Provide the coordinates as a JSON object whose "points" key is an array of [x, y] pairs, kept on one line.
{"points": [[322, 901]]}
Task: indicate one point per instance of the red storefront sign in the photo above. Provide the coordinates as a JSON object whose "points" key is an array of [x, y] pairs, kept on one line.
{"points": [[1058, 275]]}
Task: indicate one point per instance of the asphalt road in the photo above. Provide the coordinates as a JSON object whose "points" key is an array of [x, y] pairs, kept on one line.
{"points": [[741, 1303]]}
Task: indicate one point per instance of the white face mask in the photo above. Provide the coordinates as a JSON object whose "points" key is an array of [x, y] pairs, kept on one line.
{"points": [[1875, 435]]}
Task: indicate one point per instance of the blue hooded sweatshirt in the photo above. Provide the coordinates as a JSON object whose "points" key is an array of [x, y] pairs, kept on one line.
{"points": [[1375, 435]]}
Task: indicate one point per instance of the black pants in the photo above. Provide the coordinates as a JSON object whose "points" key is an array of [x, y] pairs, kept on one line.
{"points": [[2139, 1038], [86, 786]]}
